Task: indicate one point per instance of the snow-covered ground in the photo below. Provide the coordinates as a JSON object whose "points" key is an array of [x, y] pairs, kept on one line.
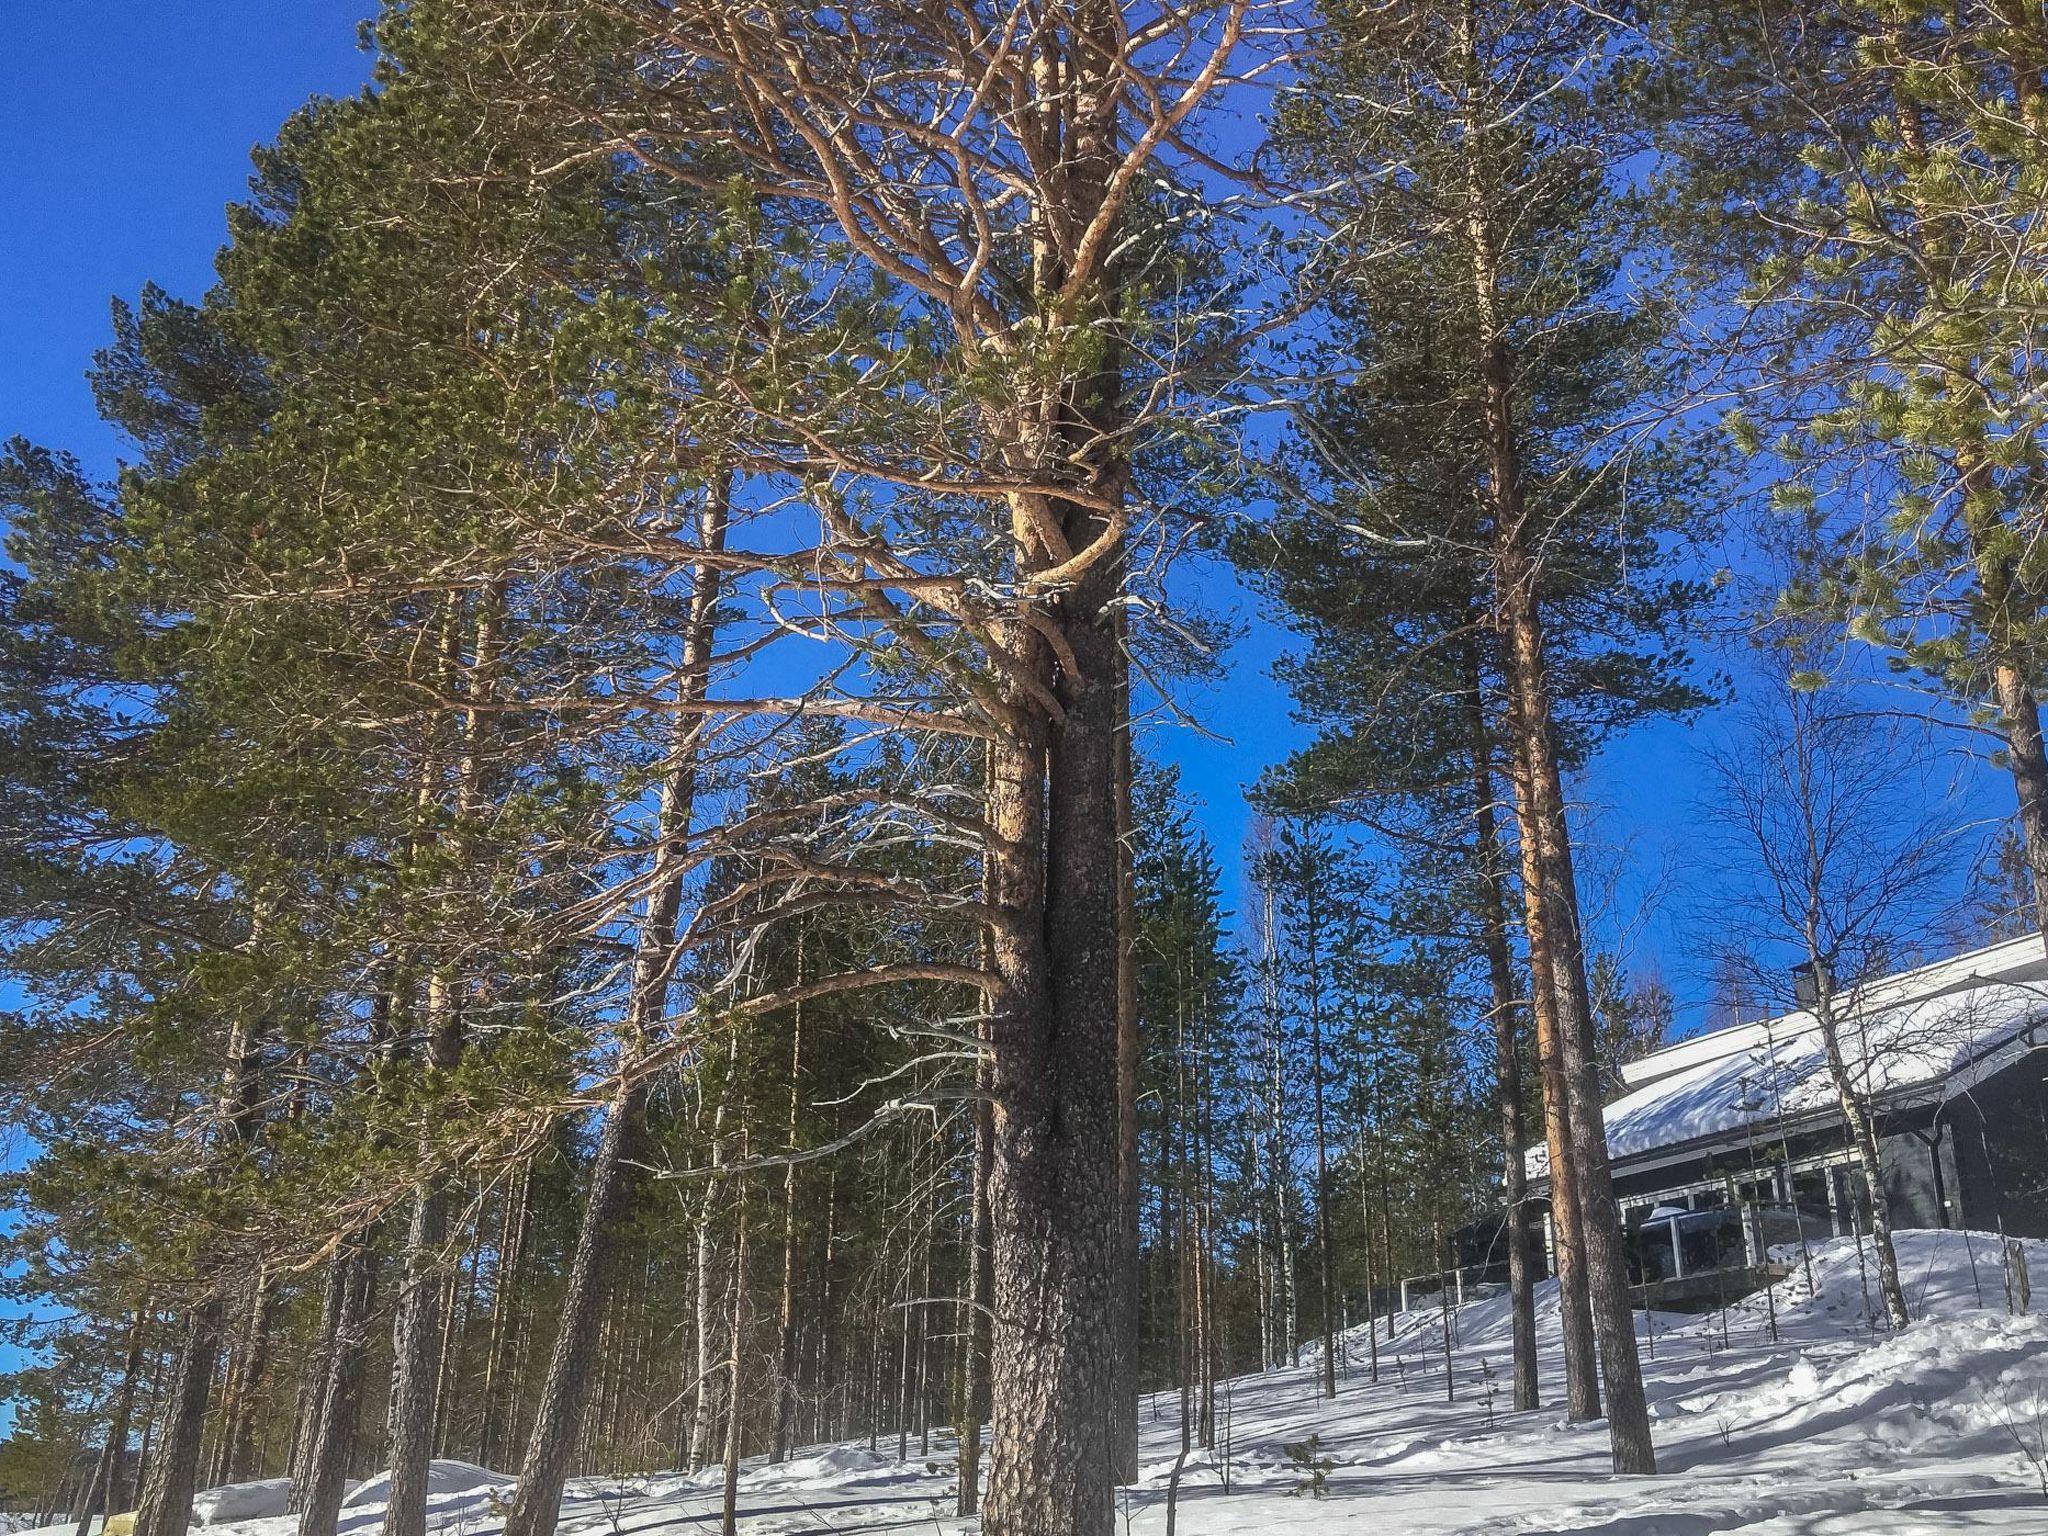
{"points": [[1831, 1429]]}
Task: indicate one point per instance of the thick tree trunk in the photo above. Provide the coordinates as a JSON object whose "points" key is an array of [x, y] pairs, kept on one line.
{"points": [[174, 1461], [1553, 913], [331, 1447], [415, 1354], [2026, 758], [1056, 1198], [1055, 1210], [558, 1416], [1500, 967]]}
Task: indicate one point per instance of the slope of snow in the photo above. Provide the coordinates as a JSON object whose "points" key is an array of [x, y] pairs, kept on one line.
{"points": [[443, 1478], [1830, 1428], [241, 1501]]}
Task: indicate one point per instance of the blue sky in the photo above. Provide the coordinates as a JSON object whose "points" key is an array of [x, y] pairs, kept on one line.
{"points": [[125, 129]]}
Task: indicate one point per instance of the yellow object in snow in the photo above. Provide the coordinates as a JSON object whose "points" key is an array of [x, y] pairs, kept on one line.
{"points": [[119, 1525]]}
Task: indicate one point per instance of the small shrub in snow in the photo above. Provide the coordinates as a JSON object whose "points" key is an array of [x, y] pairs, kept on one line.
{"points": [[1313, 1467]]}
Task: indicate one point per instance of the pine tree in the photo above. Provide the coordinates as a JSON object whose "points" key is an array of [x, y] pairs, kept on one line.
{"points": [[1864, 181]]}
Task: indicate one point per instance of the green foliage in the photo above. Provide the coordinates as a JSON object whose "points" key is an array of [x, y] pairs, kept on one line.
{"points": [[1864, 181], [1311, 1467]]}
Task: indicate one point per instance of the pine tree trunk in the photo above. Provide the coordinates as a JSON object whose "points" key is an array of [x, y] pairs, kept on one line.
{"points": [[1055, 1203], [416, 1329], [1493, 919], [1372, 1331], [252, 1361], [504, 1307], [103, 1492], [313, 1382], [735, 1418], [345, 1371], [785, 1321], [415, 1353], [2020, 725], [558, 1416], [1206, 1250], [566, 1389], [1552, 900], [1575, 1304], [174, 1461], [1324, 1243], [1123, 1426], [703, 1416], [1554, 911], [974, 1324], [830, 1373]]}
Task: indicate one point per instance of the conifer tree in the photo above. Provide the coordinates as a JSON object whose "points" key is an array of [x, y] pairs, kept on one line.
{"points": [[1483, 231], [1864, 181]]}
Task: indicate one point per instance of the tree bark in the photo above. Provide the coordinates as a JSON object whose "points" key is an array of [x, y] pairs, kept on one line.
{"points": [[974, 1330], [1054, 1188], [1553, 911], [415, 1339], [331, 1448], [252, 1361], [735, 1420], [1581, 1366], [1123, 1425], [704, 1411], [1550, 894], [174, 1463], [1869, 1160], [1493, 919], [559, 1413]]}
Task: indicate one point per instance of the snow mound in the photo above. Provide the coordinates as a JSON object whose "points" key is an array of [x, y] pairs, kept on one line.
{"points": [[443, 1478], [262, 1500]]}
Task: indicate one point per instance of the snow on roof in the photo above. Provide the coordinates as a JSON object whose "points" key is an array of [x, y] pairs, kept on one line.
{"points": [[1926, 1033]]}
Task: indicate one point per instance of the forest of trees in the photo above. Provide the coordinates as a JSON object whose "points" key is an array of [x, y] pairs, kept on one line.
{"points": [[590, 871]]}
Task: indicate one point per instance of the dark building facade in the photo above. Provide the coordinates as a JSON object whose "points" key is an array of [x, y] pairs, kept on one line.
{"points": [[1732, 1143]]}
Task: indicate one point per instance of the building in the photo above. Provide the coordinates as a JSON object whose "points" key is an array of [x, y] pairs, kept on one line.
{"points": [[1733, 1141]]}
